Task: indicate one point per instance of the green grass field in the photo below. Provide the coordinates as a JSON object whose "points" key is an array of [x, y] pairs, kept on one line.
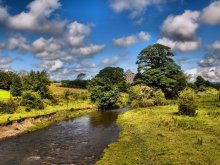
{"points": [[4, 94], [21, 113], [156, 135]]}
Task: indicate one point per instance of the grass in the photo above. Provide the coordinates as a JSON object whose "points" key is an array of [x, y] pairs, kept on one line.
{"points": [[4, 94], [21, 113], [156, 135], [56, 90]]}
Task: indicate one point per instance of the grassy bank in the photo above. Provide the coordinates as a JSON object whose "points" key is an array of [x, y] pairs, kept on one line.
{"points": [[157, 136], [80, 101]]}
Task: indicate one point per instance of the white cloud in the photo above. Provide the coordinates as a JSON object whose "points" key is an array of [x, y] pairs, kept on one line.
{"points": [[135, 7], [181, 27], [88, 50], [3, 14], [77, 33], [5, 62], [209, 73], [16, 42], [212, 57], [132, 39], [36, 18], [110, 61], [180, 45], [53, 66], [211, 14], [179, 31]]}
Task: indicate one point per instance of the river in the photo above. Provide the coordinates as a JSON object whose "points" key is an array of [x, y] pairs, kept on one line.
{"points": [[78, 141]]}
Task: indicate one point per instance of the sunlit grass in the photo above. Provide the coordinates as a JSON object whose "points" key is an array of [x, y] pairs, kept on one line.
{"points": [[4, 94], [57, 90], [157, 136]]}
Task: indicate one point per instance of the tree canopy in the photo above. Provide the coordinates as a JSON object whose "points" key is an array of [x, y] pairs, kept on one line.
{"points": [[157, 68], [106, 85]]}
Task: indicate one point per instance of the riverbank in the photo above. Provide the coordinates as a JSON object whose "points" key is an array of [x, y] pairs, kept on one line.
{"points": [[156, 135], [29, 124]]}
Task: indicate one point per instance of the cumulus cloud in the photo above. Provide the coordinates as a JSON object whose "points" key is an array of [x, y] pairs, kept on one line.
{"points": [[16, 42], [180, 45], [135, 7], [77, 33], [110, 61], [5, 62], [35, 18], [212, 56], [209, 73], [211, 14], [53, 66], [132, 39], [88, 50], [179, 31]]}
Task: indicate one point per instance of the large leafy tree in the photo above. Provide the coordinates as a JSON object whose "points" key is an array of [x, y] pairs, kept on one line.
{"points": [[105, 87], [16, 86], [6, 79], [157, 68], [38, 82]]}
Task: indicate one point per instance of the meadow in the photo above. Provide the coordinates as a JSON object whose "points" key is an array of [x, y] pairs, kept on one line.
{"points": [[80, 101], [158, 135]]}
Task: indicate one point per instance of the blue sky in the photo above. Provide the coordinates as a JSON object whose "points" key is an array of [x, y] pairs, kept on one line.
{"points": [[67, 37]]}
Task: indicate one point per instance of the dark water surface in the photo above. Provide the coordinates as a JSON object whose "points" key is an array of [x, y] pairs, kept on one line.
{"points": [[79, 141]]}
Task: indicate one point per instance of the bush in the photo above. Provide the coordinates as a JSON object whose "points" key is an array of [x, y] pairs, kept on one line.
{"points": [[122, 100], [8, 107], [159, 97], [144, 96], [187, 105], [138, 92], [31, 100]]}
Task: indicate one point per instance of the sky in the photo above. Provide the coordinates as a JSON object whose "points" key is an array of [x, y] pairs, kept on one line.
{"points": [[68, 37]]}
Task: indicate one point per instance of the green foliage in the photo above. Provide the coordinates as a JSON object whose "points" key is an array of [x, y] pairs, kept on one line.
{"points": [[75, 83], [16, 86], [122, 100], [6, 79], [37, 82], [32, 100], [104, 96], [187, 105], [144, 96], [8, 107], [138, 92], [157, 68], [211, 91], [200, 83], [114, 75], [105, 87]]}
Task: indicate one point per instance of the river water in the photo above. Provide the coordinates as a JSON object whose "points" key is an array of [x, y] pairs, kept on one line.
{"points": [[79, 141]]}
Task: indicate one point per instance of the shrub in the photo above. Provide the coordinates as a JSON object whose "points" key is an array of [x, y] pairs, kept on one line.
{"points": [[159, 97], [144, 96], [122, 100], [137, 92], [187, 105], [146, 102], [8, 107], [31, 100]]}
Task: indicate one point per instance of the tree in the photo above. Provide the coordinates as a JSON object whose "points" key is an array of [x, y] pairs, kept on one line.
{"points": [[114, 75], [16, 86], [200, 83], [105, 87], [81, 76], [156, 68], [38, 82], [6, 79]]}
